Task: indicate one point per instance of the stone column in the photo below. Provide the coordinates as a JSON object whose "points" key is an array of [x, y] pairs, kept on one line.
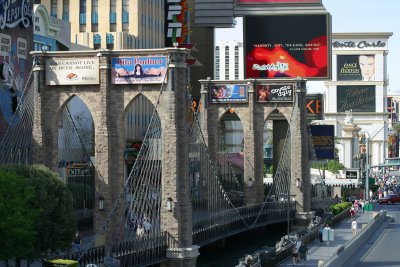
{"points": [[253, 152], [300, 184], [349, 133], [45, 130], [175, 165]]}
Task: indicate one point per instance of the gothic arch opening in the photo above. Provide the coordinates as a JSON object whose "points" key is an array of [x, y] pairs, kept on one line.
{"points": [[76, 154], [231, 156]]}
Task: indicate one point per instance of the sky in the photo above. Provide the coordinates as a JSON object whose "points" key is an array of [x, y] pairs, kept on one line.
{"points": [[352, 16]]}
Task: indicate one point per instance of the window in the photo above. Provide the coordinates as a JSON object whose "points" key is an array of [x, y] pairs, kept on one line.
{"points": [[110, 41], [65, 10], [236, 62], [226, 62], [113, 15], [217, 63], [53, 8], [82, 15], [125, 15], [97, 41]]}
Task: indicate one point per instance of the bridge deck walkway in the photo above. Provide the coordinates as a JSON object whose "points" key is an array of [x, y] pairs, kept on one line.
{"points": [[318, 253]]}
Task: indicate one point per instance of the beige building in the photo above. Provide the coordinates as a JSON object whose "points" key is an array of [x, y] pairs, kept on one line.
{"points": [[112, 24]]}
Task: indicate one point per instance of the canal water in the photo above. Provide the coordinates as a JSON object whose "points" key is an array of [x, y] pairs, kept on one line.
{"points": [[238, 246]]}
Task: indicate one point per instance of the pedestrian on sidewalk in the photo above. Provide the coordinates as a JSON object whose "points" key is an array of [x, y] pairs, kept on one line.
{"points": [[354, 226], [303, 252], [295, 251], [321, 230]]}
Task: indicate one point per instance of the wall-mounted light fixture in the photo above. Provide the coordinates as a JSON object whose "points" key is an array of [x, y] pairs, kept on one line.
{"points": [[170, 204], [101, 203], [250, 182]]}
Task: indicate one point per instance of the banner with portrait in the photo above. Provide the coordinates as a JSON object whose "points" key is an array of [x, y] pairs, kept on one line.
{"points": [[274, 92], [138, 69], [302, 51], [358, 98], [228, 93], [355, 67]]}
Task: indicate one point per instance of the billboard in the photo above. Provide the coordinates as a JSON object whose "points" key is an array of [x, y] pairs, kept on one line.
{"points": [[323, 140], [358, 98], [228, 93], [278, 1], [355, 67], [138, 69], [274, 92], [72, 71], [314, 106], [176, 22], [287, 46], [16, 41]]}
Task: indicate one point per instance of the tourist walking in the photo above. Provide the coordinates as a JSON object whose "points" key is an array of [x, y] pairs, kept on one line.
{"points": [[354, 226]]}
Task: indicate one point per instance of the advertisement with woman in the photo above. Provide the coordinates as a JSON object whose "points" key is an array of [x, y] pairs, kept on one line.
{"points": [[138, 70]]}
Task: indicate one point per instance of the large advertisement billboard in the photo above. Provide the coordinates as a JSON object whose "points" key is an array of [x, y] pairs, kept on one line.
{"points": [[278, 1], [176, 22], [16, 41], [138, 70], [357, 98], [287, 46], [72, 71], [356, 67], [274, 92], [323, 140], [228, 93]]}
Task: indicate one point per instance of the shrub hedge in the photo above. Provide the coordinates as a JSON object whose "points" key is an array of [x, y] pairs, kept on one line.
{"points": [[338, 208]]}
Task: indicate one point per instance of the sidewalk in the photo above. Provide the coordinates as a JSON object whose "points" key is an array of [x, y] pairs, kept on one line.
{"points": [[319, 253]]}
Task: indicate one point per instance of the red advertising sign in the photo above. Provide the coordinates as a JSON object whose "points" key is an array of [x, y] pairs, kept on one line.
{"points": [[302, 51], [278, 1]]}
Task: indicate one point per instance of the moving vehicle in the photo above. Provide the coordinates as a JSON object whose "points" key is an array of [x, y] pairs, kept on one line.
{"points": [[389, 199]]}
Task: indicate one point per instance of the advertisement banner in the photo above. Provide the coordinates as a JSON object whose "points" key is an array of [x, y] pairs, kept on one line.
{"points": [[278, 1], [68, 71], [314, 106], [138, 70], [358, 98], [274, 92], [323, 140], [228, 93], [176, 22], [302, 51], [356, 67], [16, 41]]}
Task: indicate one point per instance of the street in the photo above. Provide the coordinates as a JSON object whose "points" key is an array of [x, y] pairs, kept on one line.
{"points": [[382, 248]]}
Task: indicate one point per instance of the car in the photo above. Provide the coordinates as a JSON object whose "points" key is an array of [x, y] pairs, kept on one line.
{"points": [[389, 199]]}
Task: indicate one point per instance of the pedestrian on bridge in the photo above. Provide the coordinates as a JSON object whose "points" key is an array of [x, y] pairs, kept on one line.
{"points": [[354, 226]]}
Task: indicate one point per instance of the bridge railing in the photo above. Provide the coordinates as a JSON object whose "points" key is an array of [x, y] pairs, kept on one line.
{"points": [[310, 236], [234, 221]]}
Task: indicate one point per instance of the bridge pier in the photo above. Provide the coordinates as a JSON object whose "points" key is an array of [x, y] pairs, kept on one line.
{"points": [[182, 257]]}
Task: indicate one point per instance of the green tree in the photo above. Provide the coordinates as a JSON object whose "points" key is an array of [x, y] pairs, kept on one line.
{"points": [[55, 223], [18, 217]]}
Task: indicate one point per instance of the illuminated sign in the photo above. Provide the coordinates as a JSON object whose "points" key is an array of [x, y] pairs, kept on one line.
{"points": [[278, 1], [274, 92], [228, 93], [323, 140], [303, 51], [314, 106], [176, 22]]}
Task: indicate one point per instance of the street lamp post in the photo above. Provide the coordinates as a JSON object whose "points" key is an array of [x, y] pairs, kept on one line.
{"points": [[367, 139]]}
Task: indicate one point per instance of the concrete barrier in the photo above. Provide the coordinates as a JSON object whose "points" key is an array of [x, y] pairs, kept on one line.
{"points": [[344, 253]]}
